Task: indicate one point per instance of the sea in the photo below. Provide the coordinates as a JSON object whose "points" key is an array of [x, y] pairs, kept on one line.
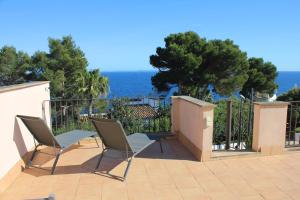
{"points": [[138, 83]]}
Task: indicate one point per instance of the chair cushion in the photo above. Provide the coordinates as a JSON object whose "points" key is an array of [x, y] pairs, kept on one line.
{"points": [[67, 139], [139, 141]]}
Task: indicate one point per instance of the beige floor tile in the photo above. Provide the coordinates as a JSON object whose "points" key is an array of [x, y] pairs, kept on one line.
{"points": [[222, 196], [212, 186], [294, 194], [166, 193], [274, 193], [172, 175], [252, 197], [113, 193], [137, 191], [10, 196], [88, 178], [87, 197], [241, 190], [89, 190], [162, 179], [193, 194], [185, 182]]}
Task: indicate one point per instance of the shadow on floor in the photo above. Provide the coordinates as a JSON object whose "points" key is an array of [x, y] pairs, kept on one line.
{"points": [[173, 150]]}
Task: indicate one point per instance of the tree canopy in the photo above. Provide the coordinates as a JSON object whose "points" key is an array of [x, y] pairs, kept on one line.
{"points": [[194, 64], [91, 84], [60, 66], [262, 77], [13, 65], [291, 95]]}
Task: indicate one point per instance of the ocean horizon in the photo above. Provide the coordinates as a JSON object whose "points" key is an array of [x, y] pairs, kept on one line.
{"points": [[138, 83]]}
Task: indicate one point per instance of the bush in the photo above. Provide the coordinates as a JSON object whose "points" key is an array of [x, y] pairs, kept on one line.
{"points": [[291, 95], [220, 115]]}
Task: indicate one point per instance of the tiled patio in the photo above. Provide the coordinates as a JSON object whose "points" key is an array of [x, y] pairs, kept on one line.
{"points": [[170, 176]]}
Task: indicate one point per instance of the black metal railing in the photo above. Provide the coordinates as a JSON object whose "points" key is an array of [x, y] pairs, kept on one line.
{"points": [[293, 124], [142, 114], [233, 123]]}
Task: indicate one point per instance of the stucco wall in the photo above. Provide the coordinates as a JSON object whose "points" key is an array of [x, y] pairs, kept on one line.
{"points": [[15, 140], [192, 122], [269, 127]]}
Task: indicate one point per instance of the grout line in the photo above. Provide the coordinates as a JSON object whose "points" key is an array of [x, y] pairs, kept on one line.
{"points": [[171, 177]]}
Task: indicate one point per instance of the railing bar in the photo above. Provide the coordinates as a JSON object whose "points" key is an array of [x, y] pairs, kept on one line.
{"points": [[295, 126], [78, 117], [72, 108], [67, 116], [290, 123], [61, 114]]}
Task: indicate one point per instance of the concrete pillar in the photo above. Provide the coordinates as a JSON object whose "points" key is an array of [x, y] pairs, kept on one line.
{"points": [[175, 115], [192, 122], [269, 127]]}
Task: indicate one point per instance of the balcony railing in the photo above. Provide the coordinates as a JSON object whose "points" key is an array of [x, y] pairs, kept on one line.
{"points": [[142, 114], [233, 124], [293, 124]]}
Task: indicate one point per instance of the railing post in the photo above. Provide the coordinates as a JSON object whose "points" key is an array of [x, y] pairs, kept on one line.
{"points": [[228, 124]]}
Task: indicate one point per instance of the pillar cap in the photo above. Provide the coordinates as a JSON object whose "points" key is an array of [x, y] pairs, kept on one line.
{"points": [[272, 104], [195, 101]]}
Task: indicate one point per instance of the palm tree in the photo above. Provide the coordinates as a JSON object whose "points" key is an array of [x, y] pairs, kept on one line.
{"points": [[91, 85]]}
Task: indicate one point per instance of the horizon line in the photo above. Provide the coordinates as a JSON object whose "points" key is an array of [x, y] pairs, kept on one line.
{"points": [[157, 70]]}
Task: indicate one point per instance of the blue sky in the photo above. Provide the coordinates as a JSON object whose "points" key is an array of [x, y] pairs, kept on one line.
{"points": [[120, 35]]}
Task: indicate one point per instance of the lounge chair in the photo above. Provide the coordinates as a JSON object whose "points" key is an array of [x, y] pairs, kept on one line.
{"points": [[44, 136], [114, 137]]}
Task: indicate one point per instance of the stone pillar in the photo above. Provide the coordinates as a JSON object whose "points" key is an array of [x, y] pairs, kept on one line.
{"points": [[175, 115], [192, 122], [269, 127]]}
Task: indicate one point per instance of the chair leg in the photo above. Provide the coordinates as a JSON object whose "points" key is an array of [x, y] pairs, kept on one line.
{"points": [[127, 168], [96, 141], [29, 163], [99, 160], [55, 162], [161, 148]]}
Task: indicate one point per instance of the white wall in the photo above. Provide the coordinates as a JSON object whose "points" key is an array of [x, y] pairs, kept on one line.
{"points": [[15, 140]]}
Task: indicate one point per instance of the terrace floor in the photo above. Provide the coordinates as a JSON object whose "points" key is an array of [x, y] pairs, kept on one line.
{"points": [[171, 175]]}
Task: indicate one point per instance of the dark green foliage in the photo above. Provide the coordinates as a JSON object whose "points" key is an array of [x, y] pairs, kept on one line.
{"points": [[262, 77], [220, 117], [90, 84], [13, 65], [225, 66], [291, 95], [65, 66], [294, 109], [121, 112], [60, 66], [132, 123], [177, 61], [73, 117], [193, 63]]}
